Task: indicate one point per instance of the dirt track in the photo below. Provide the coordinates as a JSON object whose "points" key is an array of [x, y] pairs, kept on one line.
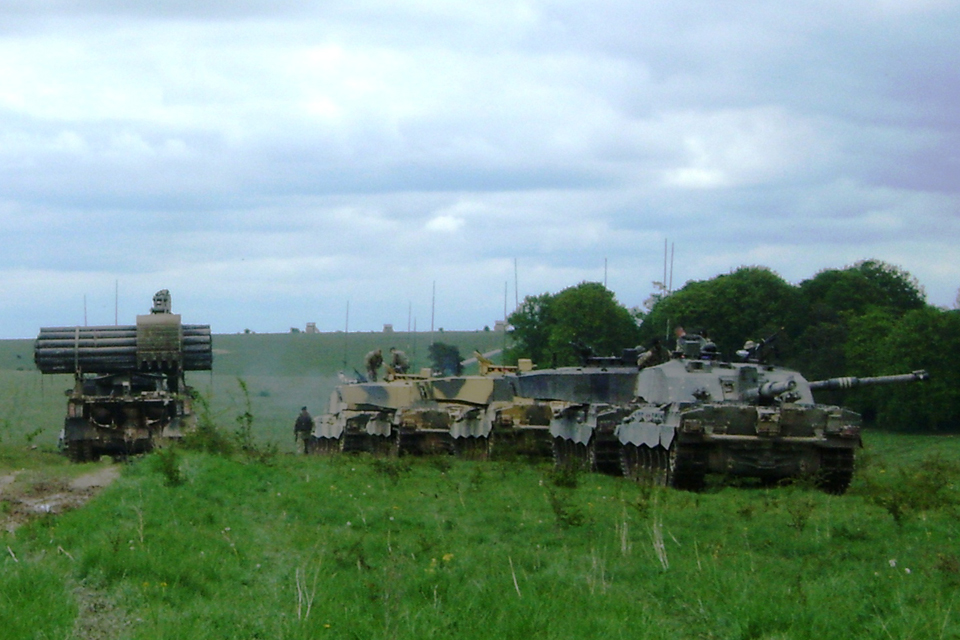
{"points": [[24, 499]]}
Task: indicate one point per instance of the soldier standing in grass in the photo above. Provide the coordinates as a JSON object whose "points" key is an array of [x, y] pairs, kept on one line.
{"points": [[302, 429], [373, 361]]}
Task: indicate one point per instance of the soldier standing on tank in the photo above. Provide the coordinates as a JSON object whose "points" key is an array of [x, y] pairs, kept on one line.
{"points": [[373, 361], [302, 429], [399, 361]]}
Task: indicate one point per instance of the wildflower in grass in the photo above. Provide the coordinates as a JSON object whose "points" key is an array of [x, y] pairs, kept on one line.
{"points": [[907, 571], [893, 563], [447, 557]]}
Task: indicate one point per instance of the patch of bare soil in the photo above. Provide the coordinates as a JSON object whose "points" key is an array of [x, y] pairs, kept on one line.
{"points": [[21, 501], [98, 618]]}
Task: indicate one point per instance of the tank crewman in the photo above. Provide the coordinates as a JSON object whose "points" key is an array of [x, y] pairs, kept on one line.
{"points": [[302, 429], [373, 360], [399, 361], [655, 354]]}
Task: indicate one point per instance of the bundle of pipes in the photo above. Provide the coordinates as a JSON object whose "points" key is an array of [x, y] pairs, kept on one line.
{"points": [[112, 349]]}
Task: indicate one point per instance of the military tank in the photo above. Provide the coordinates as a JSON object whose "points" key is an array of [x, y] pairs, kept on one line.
{"points": [[423, 414], [129, 390], [674, 422]]}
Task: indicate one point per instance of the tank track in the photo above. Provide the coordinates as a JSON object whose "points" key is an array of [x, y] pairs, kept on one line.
{"points": [[79, 451], [424, 443], [676, 467], [836, 470], [479, 448], [567, 453], [604, 454]]}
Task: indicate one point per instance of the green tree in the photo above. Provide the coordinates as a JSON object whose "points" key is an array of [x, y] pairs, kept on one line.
{"points": [[926, 338], [545, 327], [749, 303], [836, 300], [869, 283], [445, 358]]}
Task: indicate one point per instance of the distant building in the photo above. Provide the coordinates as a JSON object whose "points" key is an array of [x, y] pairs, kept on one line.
{"points": [[312, 327], [388, 328], [500, 325]]}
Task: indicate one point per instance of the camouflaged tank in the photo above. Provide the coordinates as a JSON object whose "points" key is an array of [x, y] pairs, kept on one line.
{"points": [[422, 414], [675, 422]]}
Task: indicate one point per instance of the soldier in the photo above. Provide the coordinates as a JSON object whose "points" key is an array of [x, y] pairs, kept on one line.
{"points": [[302, 429], [655, 354], [373, 361], [399, 361]]}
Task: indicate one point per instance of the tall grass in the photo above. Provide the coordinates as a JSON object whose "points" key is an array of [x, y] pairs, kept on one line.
{"points": [[354, 546]]}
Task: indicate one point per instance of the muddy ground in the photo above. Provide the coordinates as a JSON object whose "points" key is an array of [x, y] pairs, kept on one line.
{"points": [[25, 495]]}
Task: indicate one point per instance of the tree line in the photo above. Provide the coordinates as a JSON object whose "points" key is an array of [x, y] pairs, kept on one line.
{"points": [[867, 319]]}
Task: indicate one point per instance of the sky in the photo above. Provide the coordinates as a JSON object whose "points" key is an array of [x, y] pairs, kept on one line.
{"points": [[427, 164]]}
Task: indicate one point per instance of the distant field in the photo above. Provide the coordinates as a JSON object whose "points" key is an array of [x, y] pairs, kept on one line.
{"points": [[283, 372]]}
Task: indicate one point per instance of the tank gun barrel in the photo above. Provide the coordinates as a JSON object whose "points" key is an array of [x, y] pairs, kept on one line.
{"points": [[770, 390], [851, 382]]}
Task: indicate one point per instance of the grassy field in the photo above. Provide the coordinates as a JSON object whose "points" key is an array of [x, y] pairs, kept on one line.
{"points": [[197, 544]]}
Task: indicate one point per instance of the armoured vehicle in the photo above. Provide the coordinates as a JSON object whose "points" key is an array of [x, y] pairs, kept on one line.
{"points": [[421, 413], [693, 414], [129, 391]]}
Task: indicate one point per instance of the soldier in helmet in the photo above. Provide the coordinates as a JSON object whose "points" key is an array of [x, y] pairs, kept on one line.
{"points": [[302, 429], [373, 361], [399, 361]]}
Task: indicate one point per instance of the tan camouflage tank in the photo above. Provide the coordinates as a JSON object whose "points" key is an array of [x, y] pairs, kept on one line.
{"points": [[423, 414]]}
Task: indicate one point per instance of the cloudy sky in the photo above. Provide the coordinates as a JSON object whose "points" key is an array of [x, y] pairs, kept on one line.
{"points": [[274, 162]]}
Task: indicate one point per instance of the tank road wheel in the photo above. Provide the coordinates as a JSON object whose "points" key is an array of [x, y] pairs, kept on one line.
{"points": [[563, 454], [644, 464], [659, 465], [630, 461], [836, 470]]}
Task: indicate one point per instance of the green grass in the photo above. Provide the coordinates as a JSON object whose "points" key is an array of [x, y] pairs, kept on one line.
{"points": [[384, 548]]}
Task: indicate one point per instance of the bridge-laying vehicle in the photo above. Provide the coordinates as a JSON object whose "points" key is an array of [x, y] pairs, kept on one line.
{"points": [[129, 392], [694, 414]]}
